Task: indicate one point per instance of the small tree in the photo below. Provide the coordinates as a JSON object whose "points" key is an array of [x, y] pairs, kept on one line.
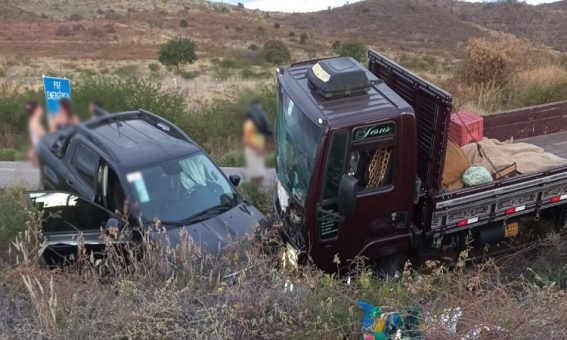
{"points": [[276, 52], [355, 48], [183, 23], [177, 52], [303, 38]]}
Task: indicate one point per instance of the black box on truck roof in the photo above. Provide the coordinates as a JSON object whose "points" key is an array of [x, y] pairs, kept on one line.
{"points": [[340, 77]]}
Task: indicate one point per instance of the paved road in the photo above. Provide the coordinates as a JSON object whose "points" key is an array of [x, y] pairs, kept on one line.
{"points": [[23, 175]]}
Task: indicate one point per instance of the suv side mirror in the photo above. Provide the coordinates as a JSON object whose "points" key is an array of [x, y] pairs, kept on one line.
{"points": [[234, 179], [347, 194]]}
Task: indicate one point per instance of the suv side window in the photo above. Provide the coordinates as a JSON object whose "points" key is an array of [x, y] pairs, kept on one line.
{"points": [[372, 165], [86, 163]]}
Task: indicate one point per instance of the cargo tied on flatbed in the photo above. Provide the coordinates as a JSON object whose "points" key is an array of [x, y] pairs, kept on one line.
{"points": [[361, 164]]}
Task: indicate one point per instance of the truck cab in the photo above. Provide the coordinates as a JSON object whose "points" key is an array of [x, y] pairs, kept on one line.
{"points": [[360, 163], [346, 162]]}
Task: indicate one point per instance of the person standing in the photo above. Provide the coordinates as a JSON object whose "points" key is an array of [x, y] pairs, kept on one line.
{"points": [[255, 131], [35, 128], [65, 118]]}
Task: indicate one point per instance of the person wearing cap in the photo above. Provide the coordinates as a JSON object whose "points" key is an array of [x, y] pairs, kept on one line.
{"points": [[35, 128]]}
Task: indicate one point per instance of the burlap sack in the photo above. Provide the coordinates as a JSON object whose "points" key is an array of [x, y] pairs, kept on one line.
{"points": [[456, 162], [529, 158]]}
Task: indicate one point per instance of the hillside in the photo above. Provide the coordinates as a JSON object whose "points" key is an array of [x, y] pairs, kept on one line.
{"points": [[438, 24], [128, 29]]}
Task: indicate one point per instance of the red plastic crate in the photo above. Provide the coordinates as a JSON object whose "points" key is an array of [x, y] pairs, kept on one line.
{"points": [[463, 121]]}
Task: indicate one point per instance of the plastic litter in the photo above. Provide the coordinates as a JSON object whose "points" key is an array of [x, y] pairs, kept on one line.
{"points": [[377, 325], [476, 175]]}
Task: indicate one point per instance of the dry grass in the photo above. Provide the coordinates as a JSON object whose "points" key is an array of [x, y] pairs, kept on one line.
{"points": [[154, 291]]}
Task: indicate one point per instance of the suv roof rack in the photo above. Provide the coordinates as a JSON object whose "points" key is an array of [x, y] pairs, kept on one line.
{"points": [[151, 118]]}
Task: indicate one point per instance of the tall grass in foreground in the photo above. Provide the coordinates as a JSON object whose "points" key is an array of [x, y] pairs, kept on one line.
{"points": [[156, 291]]}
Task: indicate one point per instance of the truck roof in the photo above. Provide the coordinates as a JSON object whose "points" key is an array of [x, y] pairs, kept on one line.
{"points": [[380, 101], [137, 138]]}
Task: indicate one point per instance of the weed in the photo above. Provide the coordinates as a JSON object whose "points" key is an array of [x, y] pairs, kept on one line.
{"points": [[189, 75], [127, 71]]}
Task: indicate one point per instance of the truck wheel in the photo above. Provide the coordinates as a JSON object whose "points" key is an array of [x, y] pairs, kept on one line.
{"points": [[391, 266]]}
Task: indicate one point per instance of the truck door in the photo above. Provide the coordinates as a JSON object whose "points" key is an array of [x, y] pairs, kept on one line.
{"points": [[380, 214], [82, 177]]}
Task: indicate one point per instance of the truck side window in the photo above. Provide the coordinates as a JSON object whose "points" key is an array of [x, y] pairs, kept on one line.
{"points": [[372, 165], [335, 165], [86, 163]]}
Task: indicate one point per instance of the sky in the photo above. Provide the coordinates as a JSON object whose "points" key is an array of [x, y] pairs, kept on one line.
{"points": [[314, 5]]}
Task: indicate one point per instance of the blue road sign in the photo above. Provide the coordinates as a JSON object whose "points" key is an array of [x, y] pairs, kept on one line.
{"points": [[55, 89]]}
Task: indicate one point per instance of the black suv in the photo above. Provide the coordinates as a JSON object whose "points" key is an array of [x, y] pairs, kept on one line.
{"points": [[140, 163]]}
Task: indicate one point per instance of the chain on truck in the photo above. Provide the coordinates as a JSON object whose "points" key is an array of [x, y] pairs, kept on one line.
{"points": [[360, 156]]}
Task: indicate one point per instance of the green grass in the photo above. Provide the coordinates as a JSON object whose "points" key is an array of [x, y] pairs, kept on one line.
{"points": [[12, 214], [189, 75], [11, 154]]}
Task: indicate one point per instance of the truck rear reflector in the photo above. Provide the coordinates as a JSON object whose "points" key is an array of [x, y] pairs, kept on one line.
{"points": [[558, 198], [466, 222], [514, 210]]}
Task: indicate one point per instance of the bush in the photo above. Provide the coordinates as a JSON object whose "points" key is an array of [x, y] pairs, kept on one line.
{"points": [[218, 125], [495, 60], [154, 68], [277, 26], [12, 215], [352, 48], [129, 94], [291, 34], [127, 71], [303, 38], [75, 17], [276, 52], [63, 31], [253, 47], [183, 23], [189, 75], [177, 52], [232, 159]]}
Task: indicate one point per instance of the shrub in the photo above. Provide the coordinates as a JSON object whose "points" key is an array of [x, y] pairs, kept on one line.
{"points": [[177, 52], [63, 31], [7, 154], [232, 159], [291, 34], [277, 26], [276, 52], [95, 31], [127, 71], [218, 125], [260, 30], [183, 23], [537, 86], [355, 48], [12, 215], [495, 60], [154, 68], [253, 47], [75, 17], [303, 38], [189, 75]]}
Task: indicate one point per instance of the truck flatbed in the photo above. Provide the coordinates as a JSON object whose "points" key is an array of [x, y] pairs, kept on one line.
{"points": [[555, 143]]}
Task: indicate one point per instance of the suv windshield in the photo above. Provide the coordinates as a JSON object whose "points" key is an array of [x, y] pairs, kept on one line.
{"points": [[181, 191], [297, 140]]}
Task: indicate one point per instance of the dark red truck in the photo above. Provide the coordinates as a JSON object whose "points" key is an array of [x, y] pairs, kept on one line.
{"points": [[360, 165]]}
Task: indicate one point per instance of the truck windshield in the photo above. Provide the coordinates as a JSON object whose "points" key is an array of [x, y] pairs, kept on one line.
{"points": [[180, 191], [297, 140]]}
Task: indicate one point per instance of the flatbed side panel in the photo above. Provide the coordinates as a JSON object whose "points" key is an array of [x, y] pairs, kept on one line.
{"points": [[497, 204], [432, 108], [527, 122]]}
